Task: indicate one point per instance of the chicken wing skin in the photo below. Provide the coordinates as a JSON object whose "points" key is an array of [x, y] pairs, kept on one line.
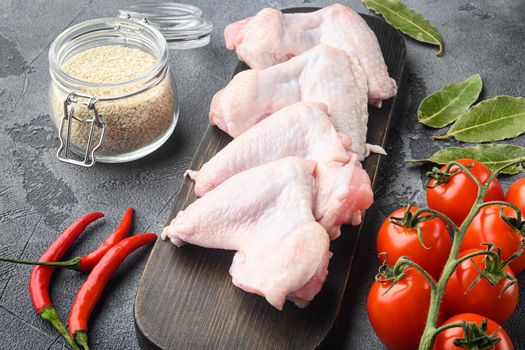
{"points": [[272, 37], [265, 214]]}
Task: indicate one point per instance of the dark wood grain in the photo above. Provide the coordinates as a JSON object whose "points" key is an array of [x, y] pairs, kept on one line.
{"points": [[186, 300]]}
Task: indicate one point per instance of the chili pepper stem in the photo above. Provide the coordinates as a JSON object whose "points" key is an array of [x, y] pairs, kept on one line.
{"points": [[50, 315], [73, 264], [81, 338]]}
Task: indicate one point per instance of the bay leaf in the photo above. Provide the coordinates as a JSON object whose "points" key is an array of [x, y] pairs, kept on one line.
{"points": [[492, 155], [499, 118], [407, 21], [446, 105]]}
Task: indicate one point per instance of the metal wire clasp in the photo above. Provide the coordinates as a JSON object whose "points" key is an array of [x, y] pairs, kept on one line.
{"points": [[63, 152]]}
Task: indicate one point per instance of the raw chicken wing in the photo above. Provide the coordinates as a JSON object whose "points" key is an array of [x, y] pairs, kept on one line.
{"points": [[301, 130], [265, 214], [322, 74], [272, 37]]}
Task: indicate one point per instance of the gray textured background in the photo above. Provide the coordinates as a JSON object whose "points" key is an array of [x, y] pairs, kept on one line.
{"points": [[39, 196]]}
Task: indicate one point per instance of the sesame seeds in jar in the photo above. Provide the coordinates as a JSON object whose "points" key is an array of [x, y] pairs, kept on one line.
{"points": [[132, 122], [125, 84], [109, 64]]}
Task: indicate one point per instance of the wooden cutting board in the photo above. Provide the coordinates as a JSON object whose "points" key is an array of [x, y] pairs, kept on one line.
{"points": [[186, 300]]}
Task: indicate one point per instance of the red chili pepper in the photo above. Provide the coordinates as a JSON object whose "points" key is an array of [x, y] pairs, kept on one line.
{"points": [[90, 292], [41, 275], [87, 262]]}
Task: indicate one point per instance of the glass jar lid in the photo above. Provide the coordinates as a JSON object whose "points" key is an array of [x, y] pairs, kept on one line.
{"points": [[182, 25]]}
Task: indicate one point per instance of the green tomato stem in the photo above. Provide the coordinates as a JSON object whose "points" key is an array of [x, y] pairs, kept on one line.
{"points": [[466, 169], [403, 261], [452, 224], [445, 327], [471, 255], [436, 296]]}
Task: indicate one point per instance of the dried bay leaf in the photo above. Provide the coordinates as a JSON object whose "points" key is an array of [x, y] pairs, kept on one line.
{"points": [[407, 21], [492, 155], [496, 119], [446, 105]]}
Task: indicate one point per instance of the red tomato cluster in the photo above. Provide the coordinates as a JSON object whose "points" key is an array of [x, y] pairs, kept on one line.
{"points": [[398, 312]]}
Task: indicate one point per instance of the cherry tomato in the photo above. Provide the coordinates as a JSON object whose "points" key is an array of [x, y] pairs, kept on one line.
{"points": [[455, 197], [516, 194], [399, 238], [482, 298], [489, 227], [445, 339], [399, 315]]}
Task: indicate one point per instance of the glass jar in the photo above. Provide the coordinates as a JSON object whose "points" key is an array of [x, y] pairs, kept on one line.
{"points": [[111, 121]]}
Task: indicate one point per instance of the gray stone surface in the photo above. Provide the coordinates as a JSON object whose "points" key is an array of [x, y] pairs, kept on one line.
{"points": [[39, 196]]}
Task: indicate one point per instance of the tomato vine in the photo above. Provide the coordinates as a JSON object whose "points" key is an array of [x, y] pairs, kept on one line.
{"points": [[431, 329]]}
